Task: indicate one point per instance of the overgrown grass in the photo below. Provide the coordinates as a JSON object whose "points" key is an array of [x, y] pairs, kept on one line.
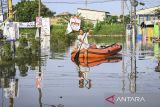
{"points": [[107, 39], [109, 29], [59, 41], [28, 31]]}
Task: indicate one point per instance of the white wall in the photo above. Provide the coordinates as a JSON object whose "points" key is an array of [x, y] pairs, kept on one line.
{"points": [[92, 15]]}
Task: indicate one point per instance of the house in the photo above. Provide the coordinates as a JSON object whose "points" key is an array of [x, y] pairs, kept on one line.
{"points": [[148, 15], [92, 15]]}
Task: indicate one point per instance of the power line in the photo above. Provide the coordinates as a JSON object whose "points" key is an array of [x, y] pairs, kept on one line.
{"points": [[79, 2]]}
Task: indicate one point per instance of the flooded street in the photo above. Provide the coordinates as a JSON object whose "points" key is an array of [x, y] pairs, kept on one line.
{"points": [[81, 53], [57, 82]]}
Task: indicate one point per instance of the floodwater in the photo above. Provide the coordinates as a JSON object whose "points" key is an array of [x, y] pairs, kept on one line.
{"points": [[53, 80]]}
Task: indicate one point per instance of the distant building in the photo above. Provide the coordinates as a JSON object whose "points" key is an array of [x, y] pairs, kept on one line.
{"points": [[92, 15], [61, 18], [148, 15], [64, 14]]}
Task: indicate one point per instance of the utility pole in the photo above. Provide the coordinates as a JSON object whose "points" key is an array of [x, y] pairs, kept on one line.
{"points": [[134, 4], [10, 11], [39, 14], [39, 54], [39, 8], [122, 9]]}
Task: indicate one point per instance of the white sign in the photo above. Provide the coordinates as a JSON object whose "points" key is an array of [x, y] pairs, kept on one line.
{"points": [[45, 45], [26, 24], [38, 21], [12, 90], [69, 29], [1, 19], [45, 29], [11, 30], [75, 23]]}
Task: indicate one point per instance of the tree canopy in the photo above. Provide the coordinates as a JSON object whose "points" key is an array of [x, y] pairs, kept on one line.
{"points": [[157, 11], [27, 11]]}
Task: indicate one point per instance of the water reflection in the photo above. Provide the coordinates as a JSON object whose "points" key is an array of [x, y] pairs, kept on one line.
{"points": [[84, 64], [84, 80], [49, 73], [25, 55], [8, 82], [141, 49], [39, 78]]}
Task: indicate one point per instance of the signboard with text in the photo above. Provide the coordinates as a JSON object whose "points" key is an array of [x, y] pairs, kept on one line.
{"points": [[38, 21], [11, 30], [75, 23], [45, 28], [26, 24]]}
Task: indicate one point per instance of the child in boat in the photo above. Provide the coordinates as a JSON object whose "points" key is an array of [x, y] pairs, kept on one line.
{"points": [[82, 40]]}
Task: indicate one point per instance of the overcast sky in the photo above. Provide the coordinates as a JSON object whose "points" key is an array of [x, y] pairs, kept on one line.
{"points": [[112, 6]]}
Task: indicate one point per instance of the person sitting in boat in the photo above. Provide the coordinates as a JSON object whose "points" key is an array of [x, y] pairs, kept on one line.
{"points": [[82, 40]]}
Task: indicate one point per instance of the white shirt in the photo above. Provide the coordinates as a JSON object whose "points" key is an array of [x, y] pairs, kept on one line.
{"points": [[84, 44]]}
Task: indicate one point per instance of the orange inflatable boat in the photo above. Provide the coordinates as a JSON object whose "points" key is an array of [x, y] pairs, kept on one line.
{"points": [[103, 52], [90, 62]]}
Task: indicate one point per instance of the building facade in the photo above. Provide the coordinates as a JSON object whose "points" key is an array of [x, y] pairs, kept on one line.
{"points": [[148, 15], [92, 15]]}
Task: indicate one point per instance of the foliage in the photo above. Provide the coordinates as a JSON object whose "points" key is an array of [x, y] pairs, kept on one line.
{"points": [[111, 26], [107, 39], [98, 26], [6, 52], [86, 25], [60, 41], [29, 32], [126, 19], [27, 11], [111, 19], [64, 19], [157, 11], [107, 29]]}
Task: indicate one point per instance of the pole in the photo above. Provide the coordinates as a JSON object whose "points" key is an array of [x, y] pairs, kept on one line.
{"points": [[133, 47], [2, 95], [39, 8], [39, 14], [133, 18], [39, 73], [10, 12], [122, 9]]}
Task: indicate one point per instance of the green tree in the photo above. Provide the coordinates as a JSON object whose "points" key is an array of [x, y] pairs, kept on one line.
{"points": [[111, 19], [86, 24], [126, 19], [28, 10], [157, 11]]}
